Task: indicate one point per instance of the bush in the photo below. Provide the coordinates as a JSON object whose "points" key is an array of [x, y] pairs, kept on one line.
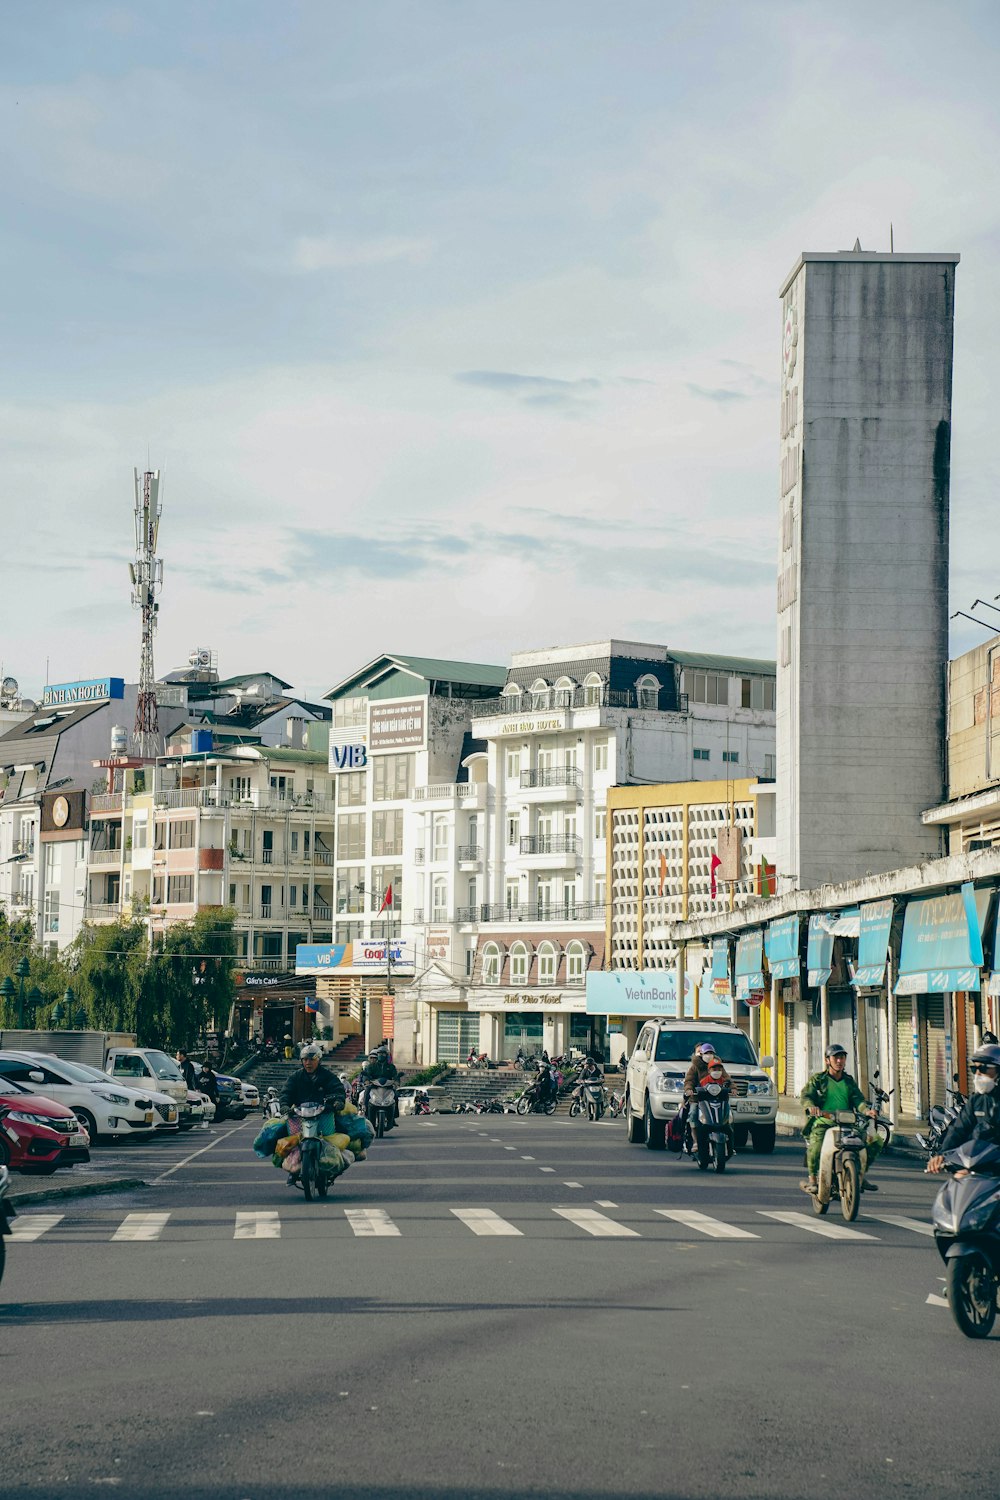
{"points": [[426, 1075]]}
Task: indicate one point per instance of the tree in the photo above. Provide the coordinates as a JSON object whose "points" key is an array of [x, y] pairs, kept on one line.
{"points": [[110, 969], [46, 977]]}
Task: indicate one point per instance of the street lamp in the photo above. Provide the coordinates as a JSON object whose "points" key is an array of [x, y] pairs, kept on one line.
{"points": [[35, 999], [7, 988], [56, 1014], [69, 1000], [22, 971]]}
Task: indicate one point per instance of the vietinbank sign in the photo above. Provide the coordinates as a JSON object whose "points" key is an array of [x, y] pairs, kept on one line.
{"points": [[66, 694], [363, 956], [649, 992]]}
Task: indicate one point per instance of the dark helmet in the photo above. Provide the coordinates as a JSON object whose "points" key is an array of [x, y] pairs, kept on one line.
{"points": [[988, 1055], [835, 1050]]}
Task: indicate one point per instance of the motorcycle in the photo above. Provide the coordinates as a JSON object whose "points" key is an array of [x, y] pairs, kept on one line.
{"points": [[589, 1099], [940, 1117], [311, 1176], [616, 1103], [7, 1215], [966, 1219], [844, 1157], [477, 1060], [532, 1103], [380, 1107], [709, 1135], [272, 1105]]}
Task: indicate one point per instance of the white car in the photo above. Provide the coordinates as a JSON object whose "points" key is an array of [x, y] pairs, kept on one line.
{"points": [[103, 1109], [167, 1114], [251, 1095], [654, 1081]]}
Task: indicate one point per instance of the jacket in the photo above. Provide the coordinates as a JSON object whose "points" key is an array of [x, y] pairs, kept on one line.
{"points": [[190, 1072], [314, 1088], [695, 1076], [815, 1093], [381, 1068], [978, 1120]]}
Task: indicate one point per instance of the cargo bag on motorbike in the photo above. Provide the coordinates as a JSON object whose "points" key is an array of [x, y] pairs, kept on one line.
{"points": [[675, 1133], [334, 1159], [268, 1137], [357, 1128]]}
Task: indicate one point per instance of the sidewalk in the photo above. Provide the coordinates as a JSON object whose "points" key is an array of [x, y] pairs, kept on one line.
{"points": [[791, 1116], [24, 1190]]}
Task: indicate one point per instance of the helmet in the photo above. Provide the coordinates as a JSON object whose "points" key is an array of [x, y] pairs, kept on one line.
{"points": [[373, 1054], [313, 1049], [835, 1050], [988, 1055], [707, 1050]]}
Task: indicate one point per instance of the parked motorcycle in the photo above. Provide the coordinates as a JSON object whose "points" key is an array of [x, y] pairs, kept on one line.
{"points": [[940, 1117], [7, 1215], [616, 1103], [589, 1099], [381, 1108], [272, 1105], [844, 1157], [709, 1135], [966, 1219], [477, 1059], [532, 1103]]}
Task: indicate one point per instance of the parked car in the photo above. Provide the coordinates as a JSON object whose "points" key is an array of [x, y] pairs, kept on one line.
{"points": [[166, 1112], [440, 1100], [103, 1110], [654, 1081], [37, 1134], [231, 1105], [251, 1094], [149, 1068]]}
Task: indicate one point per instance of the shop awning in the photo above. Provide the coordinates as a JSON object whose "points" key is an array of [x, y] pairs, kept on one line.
{"points": [[819, 949], [943, 942], [749, 963], [782, 945], [721, 982], [873, 943], [994, 985]]}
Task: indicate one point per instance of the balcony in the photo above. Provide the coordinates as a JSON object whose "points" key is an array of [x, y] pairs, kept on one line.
{"points": [[470, 857], [538, 844], [467, 793], [321, 857], [106, 802], [555, 700], [210, 798], [538, 913], [552, 784], [105, 857], [102, 911], [322, 913]]}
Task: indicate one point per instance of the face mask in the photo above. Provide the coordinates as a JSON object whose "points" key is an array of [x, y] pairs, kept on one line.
{"points": [[715, 1072], [983, 1085]]}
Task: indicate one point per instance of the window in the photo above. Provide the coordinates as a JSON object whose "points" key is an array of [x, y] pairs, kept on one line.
{"points": [[267, 847], [351, 829], [439, 899], [232, 894], [513, 829], [439, 831], [350, 889], [281, 788], [51, 911], [563, 695], [731, 757], [592, 690], [569, 825], [702, 754], [548, 959], [351, 789], [546, 757], [180, 888], [140, 833], [491, 964], [576, 963], [349, 713], [239, 789], [265, 900], [600, 890], [393, 778], [540, 693], [511, 690], [601, 755], [473, 839], [387, 831], [569, 900], [182, 835], [384, 876], [647, 692], [520, 958], [757, 692], [473, 894], [512, 895], [600, 824], [769, 766], [706, 687], [513, 765], [544, 895]]}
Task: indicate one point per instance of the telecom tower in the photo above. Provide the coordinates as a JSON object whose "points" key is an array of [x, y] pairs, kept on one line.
{"points": [[147, 577]]}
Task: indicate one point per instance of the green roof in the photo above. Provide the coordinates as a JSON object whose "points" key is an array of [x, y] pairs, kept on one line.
{"points": [[735, 664], [297, 757], [432, 668]]}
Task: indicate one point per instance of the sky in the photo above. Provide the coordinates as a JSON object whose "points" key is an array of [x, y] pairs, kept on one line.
{"points": [[453, 327]]}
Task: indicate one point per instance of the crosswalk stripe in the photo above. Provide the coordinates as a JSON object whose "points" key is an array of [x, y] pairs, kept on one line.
{"points": [[484, 1221], [597, 1224], [368, 1221], [817, 1226], [901, 1222], [714, 1227], [936, 1301], [257, 1226], [33, 1226], [141, 1227]]}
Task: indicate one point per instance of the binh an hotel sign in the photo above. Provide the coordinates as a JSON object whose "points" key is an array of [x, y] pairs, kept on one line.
{"points": [[72, 694]]}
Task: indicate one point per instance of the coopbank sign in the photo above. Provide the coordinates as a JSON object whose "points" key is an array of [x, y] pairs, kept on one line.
{"points": [[649, 992]]}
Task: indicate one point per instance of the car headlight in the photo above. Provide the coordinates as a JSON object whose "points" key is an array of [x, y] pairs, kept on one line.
{"points": [[112, 1098], [27, 1118], [761, 1086], [667, 1083]]}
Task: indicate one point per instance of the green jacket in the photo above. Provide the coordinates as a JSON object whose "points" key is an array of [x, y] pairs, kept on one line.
{"points": [[815, 1093]]}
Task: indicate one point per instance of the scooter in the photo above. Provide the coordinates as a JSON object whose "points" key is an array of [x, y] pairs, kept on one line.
{"points": [[381, 1108], [7, 1215], [710, 1129], [311, 1176], [532, 1103], [589, 1099], [272, 1105], [966, 1219], [940, 1117]]}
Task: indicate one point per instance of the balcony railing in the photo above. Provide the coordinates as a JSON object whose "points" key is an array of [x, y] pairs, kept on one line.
{"points": [[459, 791], [468, 852], [552, 776], [102, 911], [578, 697], [418, 856], [322, 857], [265, 909], [264, 800], [536, 843], [106, 802], [261, 963], [537, 913], [105, 857], [322, 913], [418, 914]]}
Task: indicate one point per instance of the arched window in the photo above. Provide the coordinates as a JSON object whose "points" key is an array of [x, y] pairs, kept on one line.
{"points": [[592, 689], [563, 696], [540, 693], [492, 959], [511, 690], [647, 692], [548, 960], [520, 958], [439, 899], [576, 963]]}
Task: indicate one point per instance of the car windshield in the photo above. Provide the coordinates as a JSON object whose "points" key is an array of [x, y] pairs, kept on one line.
{"points": [[75, 1072], [7, 1087], [730, 1046], [163, 1066]]}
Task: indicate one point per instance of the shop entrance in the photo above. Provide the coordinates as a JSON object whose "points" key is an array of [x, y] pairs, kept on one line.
{"points": [[524, 1032], [279, 1021]]}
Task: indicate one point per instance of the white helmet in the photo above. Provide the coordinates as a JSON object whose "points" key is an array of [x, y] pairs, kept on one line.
{"points": [[312, 1049]]}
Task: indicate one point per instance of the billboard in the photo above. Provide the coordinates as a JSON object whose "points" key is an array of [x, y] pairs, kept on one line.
{"points": [[397, 726], [65, 694], [363, 956]]}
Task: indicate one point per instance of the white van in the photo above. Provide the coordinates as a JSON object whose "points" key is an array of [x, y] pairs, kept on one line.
{"points": [[654, 1081], [148, 1067]]}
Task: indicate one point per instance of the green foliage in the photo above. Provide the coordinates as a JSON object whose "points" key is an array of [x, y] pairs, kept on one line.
{"points": [[49, 976], [427, 1075]]}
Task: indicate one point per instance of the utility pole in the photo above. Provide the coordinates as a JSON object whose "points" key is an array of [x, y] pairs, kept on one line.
{"points": [[147, 578]]}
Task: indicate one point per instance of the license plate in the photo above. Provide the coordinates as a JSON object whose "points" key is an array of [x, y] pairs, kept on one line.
{"points": [[742, 1107], [149, 1117], [171, 1116]]}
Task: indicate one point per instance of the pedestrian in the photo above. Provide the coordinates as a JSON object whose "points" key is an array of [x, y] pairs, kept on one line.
{"points": [[187, 1067], [287, 1043]]}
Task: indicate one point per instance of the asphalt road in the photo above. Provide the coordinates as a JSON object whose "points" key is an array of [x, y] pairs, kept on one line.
{"points": [[488, 1306]]}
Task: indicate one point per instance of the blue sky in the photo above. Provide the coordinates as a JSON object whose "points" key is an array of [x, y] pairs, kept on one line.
{"points": [[453, 326]]}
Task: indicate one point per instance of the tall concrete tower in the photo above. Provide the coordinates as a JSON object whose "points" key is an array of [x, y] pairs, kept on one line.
{"points": [[862, 561]]}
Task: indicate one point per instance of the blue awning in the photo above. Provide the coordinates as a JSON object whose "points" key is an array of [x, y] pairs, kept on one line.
{"points": [[819, 949], [942, 943], [873, 944], [782, 945]]}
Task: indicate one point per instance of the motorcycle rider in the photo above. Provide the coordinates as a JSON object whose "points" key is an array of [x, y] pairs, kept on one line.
{"points": [[379, 1068], [546, 1081], [827, 1092], [312, 1083], [979, 1119], [589, 1073]]}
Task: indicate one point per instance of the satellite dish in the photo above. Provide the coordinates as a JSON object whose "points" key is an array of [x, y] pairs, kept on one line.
{"points": [[9, 687]]}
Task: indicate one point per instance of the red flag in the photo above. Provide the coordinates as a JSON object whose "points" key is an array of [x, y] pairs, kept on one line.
{"points": [[663, 872], [716, 862], [766, 874], [386, 901]]}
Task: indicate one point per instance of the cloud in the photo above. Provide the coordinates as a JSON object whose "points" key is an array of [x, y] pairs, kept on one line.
{"points": [[332, 252], [505, 380], [718, 394]]}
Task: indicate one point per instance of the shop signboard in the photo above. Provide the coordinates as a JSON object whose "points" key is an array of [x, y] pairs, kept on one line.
{"points": [[520, 1000], [397, 726], [649, 992], [942, 948], [819, 950], [873, 943], [750, 966], [97, 690], [782, 944], [362, 956], [721, 982]]}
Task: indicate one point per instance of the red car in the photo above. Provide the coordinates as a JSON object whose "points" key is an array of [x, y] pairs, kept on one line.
{"points": [[37, 1134]]}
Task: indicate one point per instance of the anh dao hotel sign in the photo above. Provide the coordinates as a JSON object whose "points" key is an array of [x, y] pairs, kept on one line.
{"points": [[73, 694]]}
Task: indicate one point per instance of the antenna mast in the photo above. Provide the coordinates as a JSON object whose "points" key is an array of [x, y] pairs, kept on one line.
{"points": [[147, 578]]}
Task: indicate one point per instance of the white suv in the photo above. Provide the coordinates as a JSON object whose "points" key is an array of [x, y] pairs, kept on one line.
{"points": [[654, 1081], [102, 1107]]}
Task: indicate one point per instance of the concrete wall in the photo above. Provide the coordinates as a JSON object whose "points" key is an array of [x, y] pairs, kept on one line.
{"points": [[974, 720], [863, 562]]}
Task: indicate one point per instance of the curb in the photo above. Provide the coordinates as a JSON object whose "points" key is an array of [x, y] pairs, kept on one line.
{"points": [[77, 1190]]}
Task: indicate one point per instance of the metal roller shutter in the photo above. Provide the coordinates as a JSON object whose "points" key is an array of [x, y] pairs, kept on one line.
{"points": [[937, 1068]]}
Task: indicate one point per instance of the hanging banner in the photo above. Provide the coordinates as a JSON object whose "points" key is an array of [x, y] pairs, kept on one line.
{"points": [[937, 955], [363, 956], [819, 950], [782, 945], [721, 982], [873, 943], [750, 965]]}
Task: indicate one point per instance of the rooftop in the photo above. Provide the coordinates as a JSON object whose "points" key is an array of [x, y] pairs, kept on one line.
{"points": [[429, 668]]}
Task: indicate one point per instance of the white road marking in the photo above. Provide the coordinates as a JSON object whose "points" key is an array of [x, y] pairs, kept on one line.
{"points": [[596, 1224], [141, 1227], [368, 1221], [714, 1227], [573, 1184], [211, 1145], [33, 1226], [902, 1222], [817, 1226], [510, 1148], [527, 1158], [257, 1226], [936, 1301], [605, 1203], [484, 1221]]}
